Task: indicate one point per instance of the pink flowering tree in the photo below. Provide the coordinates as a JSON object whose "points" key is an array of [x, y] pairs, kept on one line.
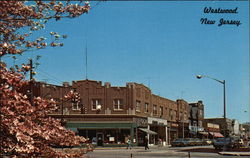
{"points": [[26, 129]]}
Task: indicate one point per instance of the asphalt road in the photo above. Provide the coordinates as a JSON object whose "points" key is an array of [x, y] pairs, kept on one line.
{"points": [[158, 152]]}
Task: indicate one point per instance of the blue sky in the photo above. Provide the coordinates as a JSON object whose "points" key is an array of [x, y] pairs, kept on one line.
{"points": [[160, 44]]}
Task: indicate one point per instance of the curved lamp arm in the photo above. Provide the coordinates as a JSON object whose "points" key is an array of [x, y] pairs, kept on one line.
{"points": [[202, 76]]}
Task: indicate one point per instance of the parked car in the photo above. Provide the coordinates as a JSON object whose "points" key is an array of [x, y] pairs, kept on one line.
{"points": [[230, 142], [207, 142], [191, 141], [197, 141], [180, 142]]}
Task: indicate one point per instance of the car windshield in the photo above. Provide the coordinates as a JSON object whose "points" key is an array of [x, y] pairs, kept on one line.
{"points": [[223, 139]]}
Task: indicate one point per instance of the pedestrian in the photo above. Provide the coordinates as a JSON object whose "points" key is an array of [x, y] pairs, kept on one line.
{"points": [[146, 143], [160, 142], [129, 143]]}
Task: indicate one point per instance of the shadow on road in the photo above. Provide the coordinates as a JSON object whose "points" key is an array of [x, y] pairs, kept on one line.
{"points": [[204, 150], [212, 150]]}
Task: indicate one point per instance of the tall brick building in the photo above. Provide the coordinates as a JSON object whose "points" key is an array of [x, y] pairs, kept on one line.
{"points": [[196, 117], [109, 115]]}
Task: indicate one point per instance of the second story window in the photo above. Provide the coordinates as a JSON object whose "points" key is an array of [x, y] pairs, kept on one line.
{"points": [[118, 104], [171, 114], [155, 109], [146, 108], [138, 106], [175, 114], [76, 106], [167, 113], [200, 111], [161, 111], [95, 102]]}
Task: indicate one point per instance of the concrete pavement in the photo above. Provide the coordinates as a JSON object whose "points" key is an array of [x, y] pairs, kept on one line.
{"points": [[235, 153], [169, 149]]}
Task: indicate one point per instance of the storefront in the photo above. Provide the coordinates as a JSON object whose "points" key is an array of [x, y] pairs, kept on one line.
{"points": [[159, 126], [173, 131], [109, 130], [105, 134]]}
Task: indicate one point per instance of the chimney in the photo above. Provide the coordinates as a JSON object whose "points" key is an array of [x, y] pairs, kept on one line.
{"points": [[65, 84], [107, 84]]}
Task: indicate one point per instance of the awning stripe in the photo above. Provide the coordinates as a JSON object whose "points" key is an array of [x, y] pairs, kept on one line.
{"points": [[216, 134], [204, 133]]}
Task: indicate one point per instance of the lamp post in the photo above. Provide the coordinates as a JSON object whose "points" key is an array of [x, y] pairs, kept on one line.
{"points": [[224, 98], [224, 101], [224, 90]]}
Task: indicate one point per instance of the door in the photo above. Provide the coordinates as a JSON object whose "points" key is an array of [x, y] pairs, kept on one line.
{"points": [[99, 139]]}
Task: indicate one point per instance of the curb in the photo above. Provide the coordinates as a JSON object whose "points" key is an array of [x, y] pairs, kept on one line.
{"points": [[119, 148], [235, 153]]}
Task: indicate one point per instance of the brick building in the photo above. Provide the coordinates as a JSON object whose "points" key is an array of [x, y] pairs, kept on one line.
{"points": [[182, 118], [196, 117], [107, 115], [212, 130], [226, 125]]}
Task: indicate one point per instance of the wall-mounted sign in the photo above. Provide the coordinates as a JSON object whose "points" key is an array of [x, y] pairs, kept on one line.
{"points": [[111, 139], [174, 125], [152, 120], [141, 121]]}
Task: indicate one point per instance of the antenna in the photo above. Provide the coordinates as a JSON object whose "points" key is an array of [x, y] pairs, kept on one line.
{"points": [[86, 57], [148, 80], [182, 92]]}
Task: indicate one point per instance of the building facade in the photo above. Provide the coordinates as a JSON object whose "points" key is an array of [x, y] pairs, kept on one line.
{"points": [[196, 117], [226, 125], [183, 118], [212, 130], [109, 115]]}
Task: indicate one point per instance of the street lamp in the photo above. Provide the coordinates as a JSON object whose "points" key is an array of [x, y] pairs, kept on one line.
{"points": [[224, 90], [224, 95], [224, 100]]}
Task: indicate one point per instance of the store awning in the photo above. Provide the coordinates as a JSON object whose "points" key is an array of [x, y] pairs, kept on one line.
{"points": [[204, 133], [216, 134], [73, 129], [148, 131]]}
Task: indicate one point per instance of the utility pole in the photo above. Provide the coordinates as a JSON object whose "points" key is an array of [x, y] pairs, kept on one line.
{"points": [[62, 95], [31, 82], [31, 69]]}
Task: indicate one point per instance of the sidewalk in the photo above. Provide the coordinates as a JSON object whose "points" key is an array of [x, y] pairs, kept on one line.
{"points": [[229, 153], [135, 147]]}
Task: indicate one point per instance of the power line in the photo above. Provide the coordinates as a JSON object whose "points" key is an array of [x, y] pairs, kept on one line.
{"points": [[43, 73]]}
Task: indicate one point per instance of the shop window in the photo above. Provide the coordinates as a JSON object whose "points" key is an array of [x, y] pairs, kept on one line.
{"points": [[118, 104], [138, 106], [95, 102]]}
